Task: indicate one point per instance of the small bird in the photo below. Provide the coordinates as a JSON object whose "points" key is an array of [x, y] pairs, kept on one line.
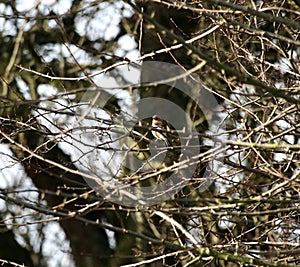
{"points": [[160, 129]]}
